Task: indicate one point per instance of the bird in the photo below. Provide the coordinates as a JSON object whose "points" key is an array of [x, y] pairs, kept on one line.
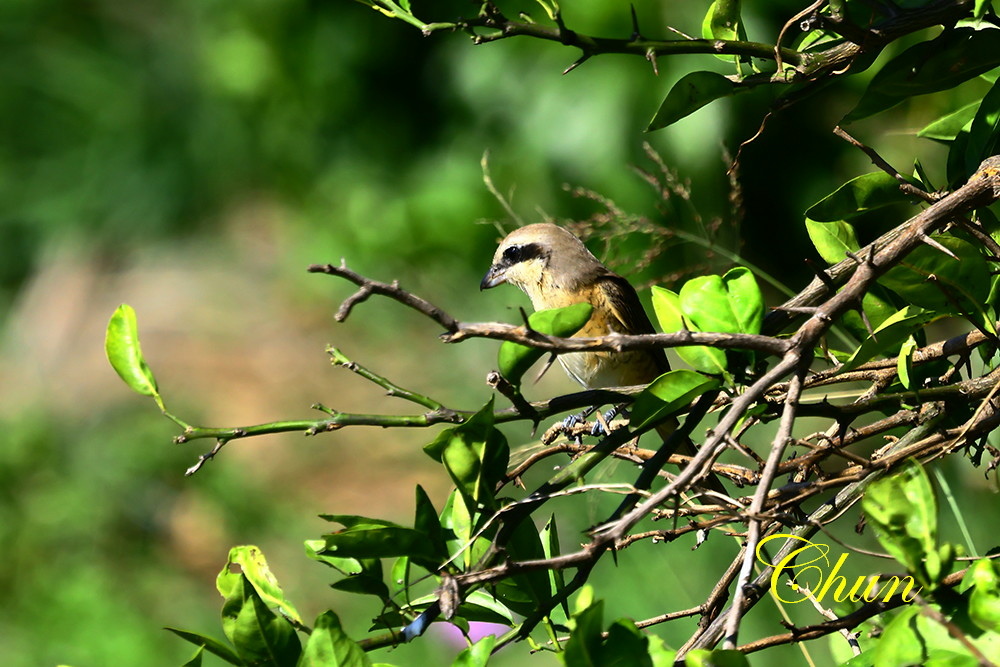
{"points": [[554, 269]]}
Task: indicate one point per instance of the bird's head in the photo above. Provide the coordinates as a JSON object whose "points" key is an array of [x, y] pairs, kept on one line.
{"points": [[542, 259]]}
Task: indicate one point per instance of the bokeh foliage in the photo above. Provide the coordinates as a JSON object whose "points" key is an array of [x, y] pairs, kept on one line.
{"points": [[135, 131]]}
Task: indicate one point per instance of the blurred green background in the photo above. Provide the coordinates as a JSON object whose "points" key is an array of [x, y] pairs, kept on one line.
{"points": [[191, 158]]}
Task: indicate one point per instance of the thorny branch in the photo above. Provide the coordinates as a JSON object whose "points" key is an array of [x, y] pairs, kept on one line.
{"points": [[787, 389]]}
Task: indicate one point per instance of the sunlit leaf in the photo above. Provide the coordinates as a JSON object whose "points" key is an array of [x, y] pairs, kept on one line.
{"points": [[254, 567], [904, 362], [477, 655], [984, 601], [726, 304], [260, 636], [475, 454], [667, 308], [903, 510], [888, 336], [121, 344], [515, 359], [832, 240], [668, 394]]}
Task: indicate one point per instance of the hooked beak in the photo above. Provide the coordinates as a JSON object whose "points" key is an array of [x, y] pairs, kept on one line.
{"points": [[495, 276]]}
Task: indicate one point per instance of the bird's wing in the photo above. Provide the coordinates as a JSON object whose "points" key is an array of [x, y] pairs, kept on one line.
{"points": [[628, 310]]}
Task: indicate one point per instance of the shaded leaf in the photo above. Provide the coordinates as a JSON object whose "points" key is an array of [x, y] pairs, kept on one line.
{"points": [[984, 132], [329, 646], [210, 644], [947, 127], [953, 57], [857, 196], [690, 93], [929, 278]]}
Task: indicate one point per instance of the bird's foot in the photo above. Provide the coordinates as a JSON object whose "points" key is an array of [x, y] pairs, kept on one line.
{"points": [[602, 426], [571, 421]]}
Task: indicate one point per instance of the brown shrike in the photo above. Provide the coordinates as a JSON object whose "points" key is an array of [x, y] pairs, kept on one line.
{"points": [[555, 269]]}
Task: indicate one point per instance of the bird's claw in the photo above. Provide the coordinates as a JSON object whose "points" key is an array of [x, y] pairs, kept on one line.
{"points": [[602, 425]]}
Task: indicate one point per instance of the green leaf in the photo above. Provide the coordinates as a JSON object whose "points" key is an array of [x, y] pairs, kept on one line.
{"points": [[984, 602], [475, 454], [254, 567], [260, 637], [889, 335], [584, 645], [984, 132], [667, 395], [195, 660], [426, 522], [903, 510], [329, 646], [929, 278], [515, 359], [731, 303], [210, 644], [904, 362], [900, 643], [859, 195], [379, 541], [625, 646], [947, 127], [121, 344], [833, 240], [955, 56], [477, 655], [549, 536], [526, 592], [722, 21], [690, 93], [667, 308], [717, 658]]}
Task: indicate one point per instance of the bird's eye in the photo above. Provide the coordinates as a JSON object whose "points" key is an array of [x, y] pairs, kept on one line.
{"points": [[522, 253]]}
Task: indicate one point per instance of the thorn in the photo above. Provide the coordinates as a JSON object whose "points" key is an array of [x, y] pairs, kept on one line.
{"points": [[582, 59], [937, 246], [545, 368], [651, 57], [821, 274], [864, 318], [636, 35]]}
